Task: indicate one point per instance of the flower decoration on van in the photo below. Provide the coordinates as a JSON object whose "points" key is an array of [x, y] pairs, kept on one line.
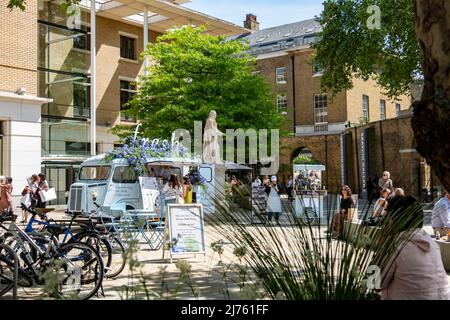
{"points": [[196, 178], [138, 151]]}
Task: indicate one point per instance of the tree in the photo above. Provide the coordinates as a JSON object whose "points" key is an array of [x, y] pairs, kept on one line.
{"points": [[193, 73], [411, 42], [21, 4]]}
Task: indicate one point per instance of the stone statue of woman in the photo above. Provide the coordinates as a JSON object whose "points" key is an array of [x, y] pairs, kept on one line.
{"points": [[211, 148]]}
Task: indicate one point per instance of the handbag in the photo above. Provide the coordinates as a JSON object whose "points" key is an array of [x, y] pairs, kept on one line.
{"points": [[47, 195], [26, 200]]}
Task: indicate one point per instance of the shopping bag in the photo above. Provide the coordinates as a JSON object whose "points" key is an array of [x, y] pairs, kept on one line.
{"points": [[26, 200], [48, 195]]}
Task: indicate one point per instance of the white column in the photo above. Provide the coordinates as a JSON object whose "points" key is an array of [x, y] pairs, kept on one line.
{"points": [[145, 36], [93, 82]]}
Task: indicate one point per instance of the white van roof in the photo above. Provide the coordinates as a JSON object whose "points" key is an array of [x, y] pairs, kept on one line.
{"points": [[100, 160]]}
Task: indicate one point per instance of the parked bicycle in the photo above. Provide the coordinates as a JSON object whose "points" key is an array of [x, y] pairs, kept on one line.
{"points": [[72, 270]]}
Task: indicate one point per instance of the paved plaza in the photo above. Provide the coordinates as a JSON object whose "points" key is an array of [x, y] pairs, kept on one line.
{"points": [[206, 275]]}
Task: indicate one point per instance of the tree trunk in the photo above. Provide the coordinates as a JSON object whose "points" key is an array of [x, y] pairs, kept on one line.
{"points": [[431, 120]]}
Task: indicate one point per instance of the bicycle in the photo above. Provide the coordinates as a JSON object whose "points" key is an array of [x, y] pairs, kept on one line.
{"points": [[77, 266], [110, 248]]}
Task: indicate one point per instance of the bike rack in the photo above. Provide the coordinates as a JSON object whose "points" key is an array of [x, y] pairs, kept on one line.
{"points": [[16, 268]]}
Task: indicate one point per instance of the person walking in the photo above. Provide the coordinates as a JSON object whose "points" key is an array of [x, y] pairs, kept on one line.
{"points": [[370, 188], [6, 204], [440, 215], [274, 201], [415, 270], [42, 184], [257, 182], [290, 188]]}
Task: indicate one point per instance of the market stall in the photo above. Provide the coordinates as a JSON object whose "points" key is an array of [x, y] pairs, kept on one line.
{"points": [[309, 192]]}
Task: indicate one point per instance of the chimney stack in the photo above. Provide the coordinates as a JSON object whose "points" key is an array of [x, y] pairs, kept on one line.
{"points": [[251, 22]]}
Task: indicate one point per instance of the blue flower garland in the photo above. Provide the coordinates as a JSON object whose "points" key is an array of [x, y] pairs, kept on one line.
{"points": [[138, 151]]}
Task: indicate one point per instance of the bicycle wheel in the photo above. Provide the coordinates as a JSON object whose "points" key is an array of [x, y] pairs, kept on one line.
{"points": [[100, 243], [309, 217], [79, 269], [118, 258], [7, 276]]}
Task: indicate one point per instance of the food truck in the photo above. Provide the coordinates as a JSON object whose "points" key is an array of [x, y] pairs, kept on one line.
{"points": [[113, 182]]}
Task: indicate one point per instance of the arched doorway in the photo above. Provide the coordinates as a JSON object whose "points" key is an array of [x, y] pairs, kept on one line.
{"points": [[303, 155]]}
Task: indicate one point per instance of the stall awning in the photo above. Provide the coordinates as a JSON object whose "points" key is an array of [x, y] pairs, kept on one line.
{"points": [[235, 166], [318, 167]]}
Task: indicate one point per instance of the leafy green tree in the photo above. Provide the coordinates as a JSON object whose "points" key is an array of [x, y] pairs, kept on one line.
{"points": [[410, 42], [352, 45], [193, 73]]}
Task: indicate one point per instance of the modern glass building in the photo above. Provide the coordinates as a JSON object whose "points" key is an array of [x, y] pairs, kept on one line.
{"points": [[67, 47]]}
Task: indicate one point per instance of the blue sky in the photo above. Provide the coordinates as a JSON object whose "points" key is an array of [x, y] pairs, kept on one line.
{"points": [[270, 12]]}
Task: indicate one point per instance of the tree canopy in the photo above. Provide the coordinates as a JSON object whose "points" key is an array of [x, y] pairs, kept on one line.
{"points": [[351, 45], [193, 73]]}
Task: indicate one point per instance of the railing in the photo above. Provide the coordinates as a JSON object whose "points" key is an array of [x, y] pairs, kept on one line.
{"points": [[321, 127]]}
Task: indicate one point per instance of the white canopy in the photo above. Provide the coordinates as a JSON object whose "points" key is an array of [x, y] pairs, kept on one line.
{"points": [[318, 167]]}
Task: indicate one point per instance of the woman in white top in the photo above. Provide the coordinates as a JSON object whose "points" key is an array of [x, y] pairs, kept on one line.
{"points": [[172, 192], [274, 201], [381, 205]]}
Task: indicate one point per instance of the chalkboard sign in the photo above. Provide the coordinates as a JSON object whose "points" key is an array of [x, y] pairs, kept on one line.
{"points": [[186, 229]]}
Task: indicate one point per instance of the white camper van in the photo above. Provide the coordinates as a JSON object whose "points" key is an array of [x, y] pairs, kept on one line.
{"points": [[114, 182]]}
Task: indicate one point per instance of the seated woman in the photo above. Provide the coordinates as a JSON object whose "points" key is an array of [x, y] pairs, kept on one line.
{"points": [[380, 206], [414, 271], [345, 206]]}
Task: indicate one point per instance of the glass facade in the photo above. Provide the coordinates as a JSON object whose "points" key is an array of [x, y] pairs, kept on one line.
{"points": [[63, 75]]}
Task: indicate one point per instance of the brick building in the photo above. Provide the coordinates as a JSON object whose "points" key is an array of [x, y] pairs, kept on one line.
{"points": [[49, 53], [315, 119]]}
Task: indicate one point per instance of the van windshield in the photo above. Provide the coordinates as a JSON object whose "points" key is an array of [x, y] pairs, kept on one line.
{"points": [[94, 173], [163, 172]]}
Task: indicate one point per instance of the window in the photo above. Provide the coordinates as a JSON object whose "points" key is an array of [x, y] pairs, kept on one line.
{"points": [[282, 103], [281, 75], [124, 174], [81, 99], [320, 112], [317, 69], [82, 40], [78, 148], [127, 47], [397, 109], [94, 173], [365, 109], [127, 90], [382, 110]]}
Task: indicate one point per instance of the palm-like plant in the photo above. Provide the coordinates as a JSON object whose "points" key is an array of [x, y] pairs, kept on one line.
{"points": [[300, 262]]}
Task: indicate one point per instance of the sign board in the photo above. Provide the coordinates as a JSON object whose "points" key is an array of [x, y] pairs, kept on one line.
{"points": [[186, 228], [150, 193], [343, 160], [364, 157]]}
